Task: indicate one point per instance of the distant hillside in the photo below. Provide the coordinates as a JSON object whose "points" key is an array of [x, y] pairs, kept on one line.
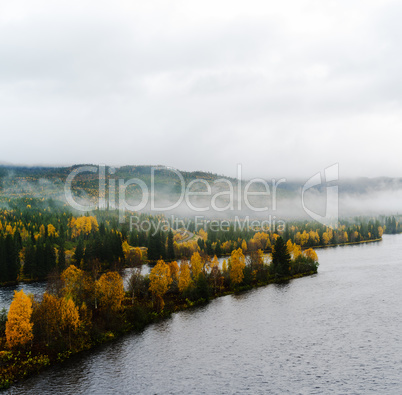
{"points": [[163, 174], [356, 196], [12, 175], [19, 181]]}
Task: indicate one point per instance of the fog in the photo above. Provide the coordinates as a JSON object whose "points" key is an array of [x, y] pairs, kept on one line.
{"points": [[227, 198]]}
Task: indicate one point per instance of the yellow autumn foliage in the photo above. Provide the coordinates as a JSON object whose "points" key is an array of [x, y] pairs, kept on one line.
{"points": [[83, 225], [310, 253], [174, 270], [53, 315], [184, 276], [196, 264], [160, 280], [77, 284], [110, 290], [19, 325], [237, 265], [214, 262]]}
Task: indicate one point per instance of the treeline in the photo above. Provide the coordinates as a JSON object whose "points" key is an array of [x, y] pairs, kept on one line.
{"points": [[40, 236], [201, 277], [392, 226], [10, 247], [226, 239]]}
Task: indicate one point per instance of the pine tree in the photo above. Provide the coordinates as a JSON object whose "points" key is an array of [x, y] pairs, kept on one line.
{"points": [[161, 243], [3, 261], [170, 249], [50, 257], [133, 239], [61, 258], [154, 245], [281, 258], [201, 244], [218, 249], [79, 252], [29, 261], [12, 259], [209, 248]]}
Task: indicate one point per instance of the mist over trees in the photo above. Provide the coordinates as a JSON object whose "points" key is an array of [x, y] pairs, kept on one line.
{"points": [[38, 237]]}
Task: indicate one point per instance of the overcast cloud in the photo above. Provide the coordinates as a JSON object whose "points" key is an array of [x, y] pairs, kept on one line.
{"points": [[285, 88]]}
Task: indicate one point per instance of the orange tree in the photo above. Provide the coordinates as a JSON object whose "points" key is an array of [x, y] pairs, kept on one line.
{"points": [[79, 286], [311, 254], [19, 325], [184, 276], [160, 280], [110, 289], [55, 319], [237, 265]]}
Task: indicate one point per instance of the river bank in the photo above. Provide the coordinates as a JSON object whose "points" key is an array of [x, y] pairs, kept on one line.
{"points": [[16, 366], [349, 243], [337, 332], [19, 365]]}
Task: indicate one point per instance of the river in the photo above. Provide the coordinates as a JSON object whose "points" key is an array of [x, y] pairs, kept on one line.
{"points": [[335, 332]]}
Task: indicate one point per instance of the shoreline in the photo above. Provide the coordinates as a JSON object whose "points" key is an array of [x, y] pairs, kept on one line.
{"points": [[29, 364], [349, 243], [29, 281]]}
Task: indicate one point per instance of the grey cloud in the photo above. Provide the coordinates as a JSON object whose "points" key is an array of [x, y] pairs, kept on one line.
{"points": [[286, 91]]}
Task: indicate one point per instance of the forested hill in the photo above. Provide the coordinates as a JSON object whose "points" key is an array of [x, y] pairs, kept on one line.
{"points": [[12, 176], [18, 181], [358, 196]]}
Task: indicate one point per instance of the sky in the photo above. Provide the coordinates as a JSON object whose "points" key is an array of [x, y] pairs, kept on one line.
{"points": [[285, 88]]}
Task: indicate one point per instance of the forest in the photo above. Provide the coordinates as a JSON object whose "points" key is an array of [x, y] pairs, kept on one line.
{"points": [[38, 237]]}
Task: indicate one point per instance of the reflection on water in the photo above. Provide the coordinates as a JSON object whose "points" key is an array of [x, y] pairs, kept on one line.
{"points": [[7, 293], [334, 332]]}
